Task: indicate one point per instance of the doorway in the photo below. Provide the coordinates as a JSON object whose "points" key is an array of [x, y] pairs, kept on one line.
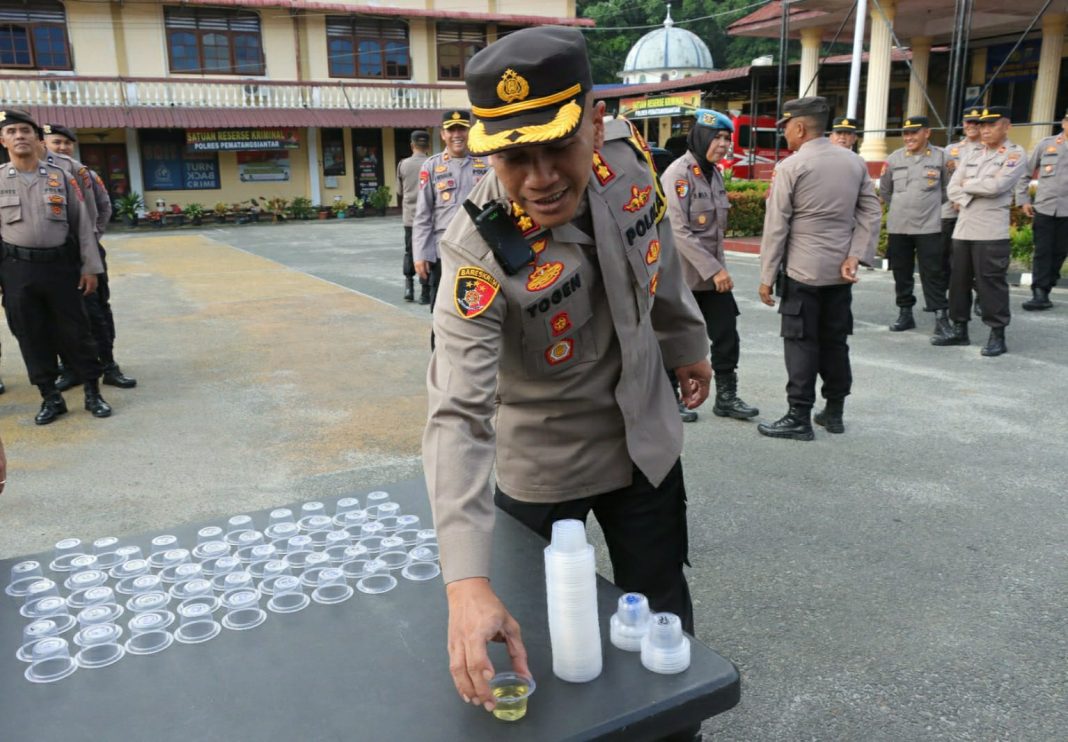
{"points": [[109, 162]]}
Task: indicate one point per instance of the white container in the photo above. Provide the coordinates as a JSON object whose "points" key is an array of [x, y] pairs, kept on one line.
{"points": [[571, 597]]}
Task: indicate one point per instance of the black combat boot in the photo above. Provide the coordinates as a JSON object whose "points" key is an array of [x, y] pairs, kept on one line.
{"points": [[424, 293], [1039, 300], [995, 345], [52, 405], [904, 320], [830, 417], [943, 327], [409, 288], [113, 376], [728, 404], [94, 402], [959, 336], [2, 387], [66, 379], [687, 415], [796, 424]]}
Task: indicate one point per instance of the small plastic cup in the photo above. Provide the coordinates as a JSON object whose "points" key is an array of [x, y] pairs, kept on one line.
{"points": [[270, 571], [37, 590], [427, 534], [236, 525], [47, 607], [371, 528], [346, 505], [280, 533], [310, 510], [385, 510], [196, 624], [315, 563], [246, 542], [188, 571], [288, 595], [85, 579], [130, 551], [259, 555], [332, 588], [420, 571], [148, 595], [408, 521], [50, 661], [354, 569], [243, 610], [107, 552], [341, 553], [351, 519], [170, 561], [32, 633], [158, 547], [100, 646], [65, 550], [408, 536], [280, 515], [297, 550], [374, 499], [316, 524], [335, 543], [132, 567], [210, 533], [239, 580], [25, 573], [569, 536], [372, 544], [630, 622], [83, 562], [424, 553], [394, 560], [148, 634], [192, 588], [211, 550], [376, 583], [224, 566], [665, 649], [102, 612], [511, 691]]}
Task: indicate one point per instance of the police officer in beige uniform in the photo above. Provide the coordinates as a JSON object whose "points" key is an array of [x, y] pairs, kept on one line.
{"points": [[60, 143], [983, 186], [1050, 211], [49, 254], [844, 131], [954, 154], [445, 180], [913, 184], [556, 372], [408, 183], [697, 208], [822, 221]]}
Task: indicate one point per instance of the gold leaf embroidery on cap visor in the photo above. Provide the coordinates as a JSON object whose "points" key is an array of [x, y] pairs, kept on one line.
{"points": [[562, 124]]}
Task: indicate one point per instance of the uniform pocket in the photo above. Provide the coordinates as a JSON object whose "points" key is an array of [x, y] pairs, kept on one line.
{"points": [[556, 329], [56, 207], [793, 323], [10, 209]]}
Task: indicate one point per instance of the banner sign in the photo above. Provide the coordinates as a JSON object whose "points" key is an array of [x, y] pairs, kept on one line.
{"points": [[168, 168], [261, 166], [237, 140], [669, 104], [1021, 66]]}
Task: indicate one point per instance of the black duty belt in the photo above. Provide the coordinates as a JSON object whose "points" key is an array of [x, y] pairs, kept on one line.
{"points": [[34, 254]]}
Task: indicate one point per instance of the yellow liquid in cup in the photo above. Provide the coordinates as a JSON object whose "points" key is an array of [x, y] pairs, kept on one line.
{"points": [[511, 702]]}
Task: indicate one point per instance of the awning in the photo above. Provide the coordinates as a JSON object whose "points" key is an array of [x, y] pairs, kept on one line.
{"points": [[148, 117], [81, 117]]}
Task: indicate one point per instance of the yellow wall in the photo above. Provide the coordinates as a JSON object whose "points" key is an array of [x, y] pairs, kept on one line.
{"points": [[146, 44], [92, 39]]}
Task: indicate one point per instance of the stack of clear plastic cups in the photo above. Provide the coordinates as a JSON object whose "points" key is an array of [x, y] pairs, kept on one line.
{"points": [[36, 591], [258, 556], [237, 580], [159, 546], [148, 632], [345, 505], [246, 541], [310, 510], [169, 563], [420, 571], [184, 574], [280, 534], [376, 578], [224, 566], [665, 649], [426, 535], [393, 553], [288, 595], [100, 645], [24, 574], [196, 624], [351, 521], [211, 552], [353, 561], [107, 552], [237, 525], [50, 661], [196, 591], [84, 579], [317, 526], [315, 563], [65, 550], [102, 609], [630, 623], [571, 590], [33, 632], [148, 594], [332, 587], [297, 550], [385, 510], [335, 545], [242, 609], [270, 572]]}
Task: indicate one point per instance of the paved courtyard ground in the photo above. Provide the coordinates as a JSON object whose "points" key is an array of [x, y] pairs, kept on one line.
{"points": [[904, 581]]}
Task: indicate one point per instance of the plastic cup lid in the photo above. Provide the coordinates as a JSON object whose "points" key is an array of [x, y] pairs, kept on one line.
{"points": [[421, 571], [376, 584]]}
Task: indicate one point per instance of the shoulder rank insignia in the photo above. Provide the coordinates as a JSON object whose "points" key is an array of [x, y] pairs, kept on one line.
{"points": [[478, 164], [475, 291], [955, 151], [560, 351], [682, 187], [543, 276], [522, 220], [601, 171], [696, 170], [653, 283], [440, 168], [653, 253], [638, 198], [560, 323], [538, 246]]}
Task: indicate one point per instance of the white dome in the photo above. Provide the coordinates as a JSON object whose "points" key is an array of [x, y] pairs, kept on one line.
{"points": [[668, 48]]}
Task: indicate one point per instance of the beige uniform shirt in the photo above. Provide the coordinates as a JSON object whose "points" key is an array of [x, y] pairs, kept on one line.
{"points": [[444, 183], [954, 154], [1050, 159], [408, 183], [697, 209], [556, 374], [84, 178], [914, 187], [44, 211], [983, 185], [821, 209], [103, 204]]}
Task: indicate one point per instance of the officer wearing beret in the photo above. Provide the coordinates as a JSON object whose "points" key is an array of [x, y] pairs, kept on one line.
{"points": [[1049, 162], [955, 152], [697, 209], [983, 186], [59, 141], [408, 183], [913, 184], [844, 131], [553, 369], [49, 249], [822, 221], [445, 180]]}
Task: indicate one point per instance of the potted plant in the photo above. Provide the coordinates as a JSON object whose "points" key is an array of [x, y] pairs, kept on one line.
{"points": [[221, 210], [277, 208], [195, 212], [339, 208], [356, 209], [128, 207], [300, 208], [380, 198]]}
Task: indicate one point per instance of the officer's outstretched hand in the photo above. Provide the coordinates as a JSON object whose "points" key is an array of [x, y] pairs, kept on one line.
{"points": [[723, 281], [477, 616], [849, 269], [1029, 209], [694, 381], [765, 295], [87, 284]]}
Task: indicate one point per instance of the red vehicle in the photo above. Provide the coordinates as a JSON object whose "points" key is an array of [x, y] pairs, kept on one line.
{"points": [[762, 155]]}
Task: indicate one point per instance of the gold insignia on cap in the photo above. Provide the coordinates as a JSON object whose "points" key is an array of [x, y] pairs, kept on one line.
{"points": [[845, 122], [908, 122], [48, 128], [512, 87], [786, 114], [708, 118], [455, 115]]}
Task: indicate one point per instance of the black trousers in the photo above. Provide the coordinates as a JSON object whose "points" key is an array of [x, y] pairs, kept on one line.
{"points": [[409, 261], [645, 529], [721, 319], [46, 314], [816, 322], [435, 281], [982, 263], [904, 251], [948, 225], [1051, 248], [101, 320]]}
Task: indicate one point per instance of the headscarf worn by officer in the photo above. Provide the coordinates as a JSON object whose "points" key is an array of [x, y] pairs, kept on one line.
{"points": [[565, 274], [1049, 161], [697, 208], [49, 249]]}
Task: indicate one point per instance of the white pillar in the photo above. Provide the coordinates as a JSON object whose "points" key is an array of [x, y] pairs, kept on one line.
{"points": [[921, 58], [314, 182], [810, 60], [873, 148], [1049, 69], [133, 162]]}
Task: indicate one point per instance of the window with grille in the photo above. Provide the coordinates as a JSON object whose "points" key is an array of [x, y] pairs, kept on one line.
{"points": [[457, 43], [214, 42], [33, 35], [366, 47]]}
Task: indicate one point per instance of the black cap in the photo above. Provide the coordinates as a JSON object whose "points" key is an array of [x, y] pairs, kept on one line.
{"points": [[972, 114], [995, 113], [915, 122], [813, 105], [528, 88], [419, 137], [63, 131], [455, 117], [844, 123], [17, 116]]}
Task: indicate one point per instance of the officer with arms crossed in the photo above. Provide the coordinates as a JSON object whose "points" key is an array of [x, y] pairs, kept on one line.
{"points": [[408, 183], [983, 186], [822, 221], [554, 367], [49, 250], [913, 184], [697, 209], [1050, 211]]}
